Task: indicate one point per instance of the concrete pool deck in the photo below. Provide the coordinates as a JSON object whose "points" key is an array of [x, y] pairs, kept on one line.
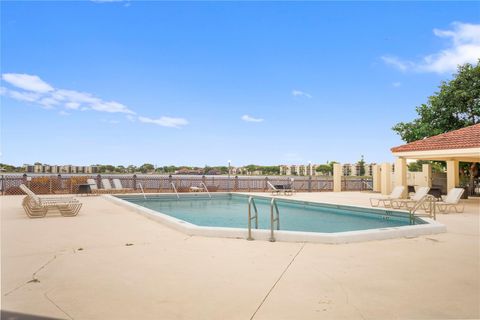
{"points": [[112, 263]]}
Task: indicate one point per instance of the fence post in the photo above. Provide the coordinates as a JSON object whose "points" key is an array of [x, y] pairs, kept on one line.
{"points": [[309, 183], [204, 180], [134, 177], [60, 184], [99, 180], [50, 185], [265, 187], [235, 185]]}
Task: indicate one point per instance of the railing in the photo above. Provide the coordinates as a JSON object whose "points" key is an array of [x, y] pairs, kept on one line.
{"points": [[251, 202], [68, 183], [430, 211], [273, 205], [206, 189], [143, 192], [175, 189]]}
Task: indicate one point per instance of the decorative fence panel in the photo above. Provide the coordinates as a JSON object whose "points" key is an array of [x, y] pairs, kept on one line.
{"points": [[68, 184]]}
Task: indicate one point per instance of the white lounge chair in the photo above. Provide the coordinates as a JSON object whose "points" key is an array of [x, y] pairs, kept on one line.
{"points": [[107, 186], [93, 186], [275, 191], [410, 203], [117, 184], [452, 200], [396, 194], [37, 207]]}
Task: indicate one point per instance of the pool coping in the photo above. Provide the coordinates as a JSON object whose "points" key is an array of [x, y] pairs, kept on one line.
{"points": [[430, 227]]}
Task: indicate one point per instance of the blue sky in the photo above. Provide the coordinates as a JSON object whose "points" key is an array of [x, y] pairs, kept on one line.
{"points": [[196, 83]]}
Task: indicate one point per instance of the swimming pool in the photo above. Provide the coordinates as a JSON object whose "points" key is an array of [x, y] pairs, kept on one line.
{"points": [[226, 215]]}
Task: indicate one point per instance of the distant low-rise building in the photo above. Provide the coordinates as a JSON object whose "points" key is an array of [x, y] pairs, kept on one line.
{"points": [[55, 169]]}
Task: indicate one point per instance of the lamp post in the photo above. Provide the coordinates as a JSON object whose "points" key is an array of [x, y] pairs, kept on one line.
{"points": [[229, 163]]}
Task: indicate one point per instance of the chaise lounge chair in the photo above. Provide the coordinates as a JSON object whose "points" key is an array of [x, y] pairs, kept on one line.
{"points": [[396, 194], [94, 187], [107, 186], [275, 191], [452, 200], [410, 203], [37, 207], [117, 184]]}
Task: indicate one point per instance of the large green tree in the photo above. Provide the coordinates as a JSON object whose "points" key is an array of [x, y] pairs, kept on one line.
{"points": [[456, 105]]}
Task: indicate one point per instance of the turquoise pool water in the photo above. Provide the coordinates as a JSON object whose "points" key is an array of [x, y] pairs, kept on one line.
{"points": [[227, 210]]}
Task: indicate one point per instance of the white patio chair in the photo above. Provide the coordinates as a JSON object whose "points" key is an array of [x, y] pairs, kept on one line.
{"points": [[37, 207], [410, 203], [452, 200], [396, 194]]}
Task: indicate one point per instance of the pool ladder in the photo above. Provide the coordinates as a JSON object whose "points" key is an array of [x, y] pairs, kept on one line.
{"points": [[274, 218], [175, 189], [206, 189], [251, 203], [143, 192], [430, 210]]}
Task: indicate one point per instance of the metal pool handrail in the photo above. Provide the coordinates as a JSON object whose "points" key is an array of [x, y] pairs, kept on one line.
{"points": [[143, 192], [175, 189], [251, 202], [273, 204], [431, 208], [206, 189]]}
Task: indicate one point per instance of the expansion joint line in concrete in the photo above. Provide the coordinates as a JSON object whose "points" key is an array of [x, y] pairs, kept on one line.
{"points": [[279, 278], [34, 276], [57, 306]]}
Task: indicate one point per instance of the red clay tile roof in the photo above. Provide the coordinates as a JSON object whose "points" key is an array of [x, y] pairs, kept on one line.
{"points": [[464, 138]]}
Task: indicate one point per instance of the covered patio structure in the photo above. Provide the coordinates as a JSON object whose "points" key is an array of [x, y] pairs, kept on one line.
{"points": [[462, 145]]}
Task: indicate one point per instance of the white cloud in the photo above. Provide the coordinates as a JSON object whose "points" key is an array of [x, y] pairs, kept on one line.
{"points": [[40, 92], [396, 84], [27, 82], [298, 93], [248, 118], [464, 48], [63, 113], [72, 105], [37, 91], [18, 95], [165, 121], [397, 63]]}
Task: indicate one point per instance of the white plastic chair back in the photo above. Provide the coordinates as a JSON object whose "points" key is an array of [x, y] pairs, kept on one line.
{"points": [[271, 186], [397, 192], [421, 192], [454, 195], [30, 193], [93, 184], [106, 184], [117, 184]]}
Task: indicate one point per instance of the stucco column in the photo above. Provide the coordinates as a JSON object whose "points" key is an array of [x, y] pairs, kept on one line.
{"points": [[452, 174], [427, 175], [386, 178], [376, 178], [337, 177], [401, 174]]}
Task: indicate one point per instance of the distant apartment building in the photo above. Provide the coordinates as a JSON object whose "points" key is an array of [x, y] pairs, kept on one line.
{"points": [[355, 169], [298, 170], [64, 169]]}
